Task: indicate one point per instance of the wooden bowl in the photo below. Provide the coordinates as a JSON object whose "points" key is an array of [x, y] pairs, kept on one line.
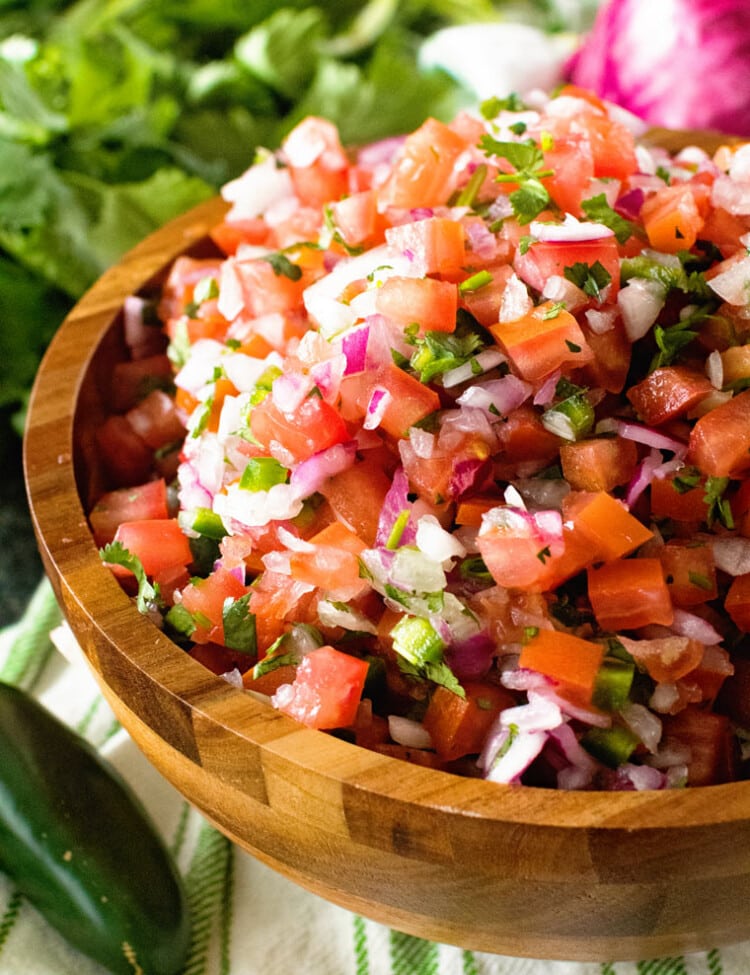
{"points": [[513, 870]]}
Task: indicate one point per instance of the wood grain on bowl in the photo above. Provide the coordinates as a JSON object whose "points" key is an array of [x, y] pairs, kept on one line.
{"points": [[513, 870]]}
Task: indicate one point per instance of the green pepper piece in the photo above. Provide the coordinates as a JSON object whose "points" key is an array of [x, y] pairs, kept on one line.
{"points": [[416, 640], [78, 845], [611, 746], [613, 683]]}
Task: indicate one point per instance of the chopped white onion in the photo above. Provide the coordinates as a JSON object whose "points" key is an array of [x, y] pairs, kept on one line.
{"points": [[733, 284], [732, 554], [570, 230], [410, 734], [435, 542], [516, 301], [640, 302], [643, 723]]}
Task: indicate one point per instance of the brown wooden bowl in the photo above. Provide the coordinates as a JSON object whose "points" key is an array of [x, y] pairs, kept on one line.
{"points": [[513, 870]]}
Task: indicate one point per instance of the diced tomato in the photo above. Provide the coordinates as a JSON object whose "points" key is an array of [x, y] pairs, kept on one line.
{"points": [[228, 235], [524, 440], [333, 564], [513, 549], [612, 146], [179, 287], [673, 216], [668, 393], [544, 259], [204, 599], [711, 743], [711, 673], [572, 164], [611, 529], [571, 662], [737, 602], [271, 681], [126, 457], [355, 218], [720, 440], [326, 689], [666, 659], [669, 501], [484, 303], [159, 543], [690, 571], [447, 474], [725, 229], [427, 302], [470, 510], [317, 162], [156, 421], [134, 379], [357, 496], [612, 355], [627, 594], [599, 464], [141, 502], [409, 400], [423, 174], [546, 339], [266, 289], [435, 245], [458, 725], [312, 427]]}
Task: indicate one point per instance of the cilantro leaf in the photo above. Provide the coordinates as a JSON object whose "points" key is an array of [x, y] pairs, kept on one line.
{"points": [[590, 278], [719, 508], [598, 210], [148, 596], [282, 266], [239, 625], [531, 197]]}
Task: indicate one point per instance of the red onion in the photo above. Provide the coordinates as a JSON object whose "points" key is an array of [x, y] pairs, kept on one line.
{"points": [[695, 628], [650, 437], [354, 347], [380, 399], [630, 203], [311, 474], [675, 63], [380, 152], [396, 501], [505, 395], [470, 659]]}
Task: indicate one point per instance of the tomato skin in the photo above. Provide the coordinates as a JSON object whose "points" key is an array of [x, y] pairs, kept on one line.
{"points": [[312, 427], [567, 659], [326, 689], [720, 440], [431, 303], [457, 725], [668, 393], [435, 245], [598, 464], [423, 172], [143, 501], [712, 745], [357, 496], [673, 216], [410, 400], [159, 543], [545, 339], [627, 594]]}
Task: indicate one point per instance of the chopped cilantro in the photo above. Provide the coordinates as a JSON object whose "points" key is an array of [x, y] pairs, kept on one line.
{"points": [[148, 596], [719, 508], [282, 266], [700, 580], [598, 210], [590, 278], [527, 158], [239, 625], [491, 107]]}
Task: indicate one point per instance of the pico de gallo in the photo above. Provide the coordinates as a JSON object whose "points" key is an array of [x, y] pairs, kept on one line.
{"points": [[444, 448]]}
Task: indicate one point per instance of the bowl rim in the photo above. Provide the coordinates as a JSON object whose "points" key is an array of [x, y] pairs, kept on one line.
{"points": [[71, 561]]}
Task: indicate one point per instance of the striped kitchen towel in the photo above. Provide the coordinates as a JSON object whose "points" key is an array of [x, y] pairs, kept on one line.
{"points": [[247, 920]]}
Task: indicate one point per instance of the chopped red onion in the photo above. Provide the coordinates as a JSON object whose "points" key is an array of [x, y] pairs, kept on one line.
{"points": [[630, 203], [377, 153], [644, 475], [396, 501], [354, 347], [546, 392], [380, 399], [311, 474], [465, 474], [650, 437], [289, 391], [470, 659], [497, 396], [695, 627], [524, 748]]}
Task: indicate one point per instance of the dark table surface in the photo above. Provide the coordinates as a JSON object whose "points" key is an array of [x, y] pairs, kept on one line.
{"points": [[20, 565]]}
